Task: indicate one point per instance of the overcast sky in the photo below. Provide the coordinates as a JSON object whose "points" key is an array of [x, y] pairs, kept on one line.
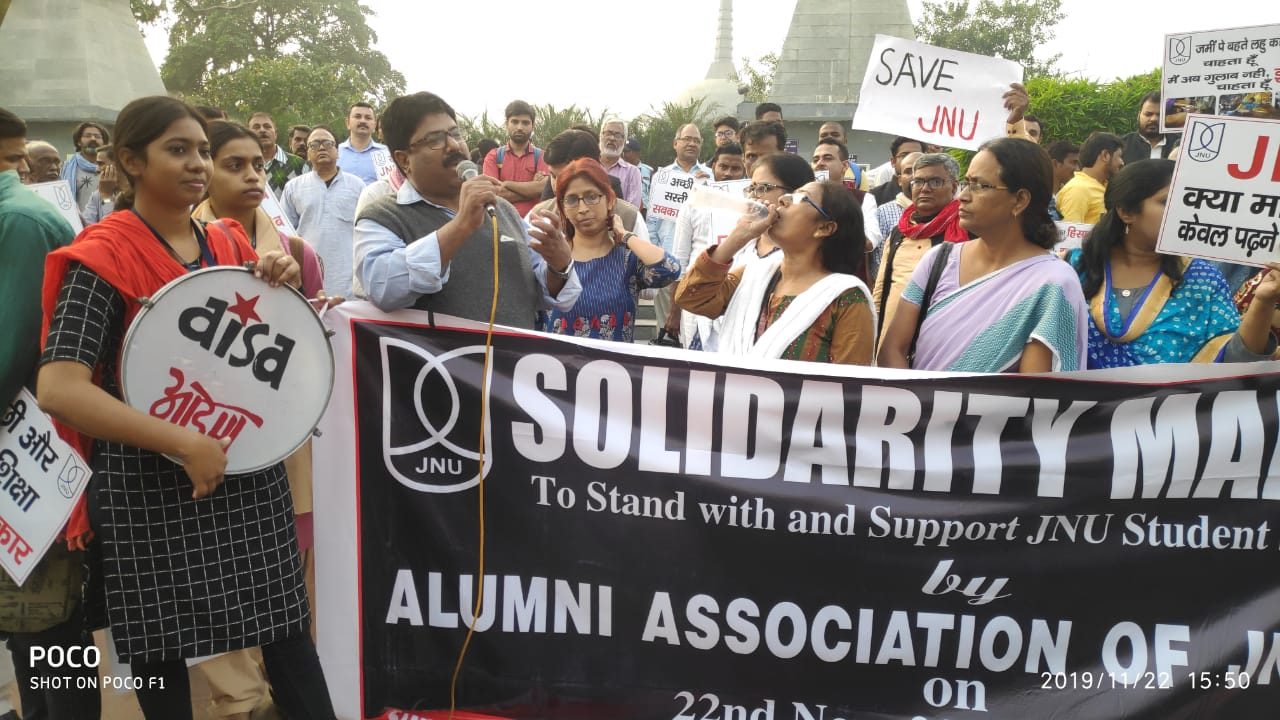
{"points": [[629, 56]]}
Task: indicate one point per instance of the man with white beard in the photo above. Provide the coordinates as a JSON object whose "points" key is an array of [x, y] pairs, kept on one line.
{"points": [[613, 137]]}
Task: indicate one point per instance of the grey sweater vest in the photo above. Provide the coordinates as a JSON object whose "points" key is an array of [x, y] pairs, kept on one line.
{"points": [[469, 291]]}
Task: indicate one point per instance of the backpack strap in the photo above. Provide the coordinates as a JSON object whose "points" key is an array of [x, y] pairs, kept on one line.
{"points": [[935, 274]]}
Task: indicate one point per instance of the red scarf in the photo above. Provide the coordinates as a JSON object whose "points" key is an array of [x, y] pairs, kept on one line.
{"points": [[946, 223], [125, 253]]}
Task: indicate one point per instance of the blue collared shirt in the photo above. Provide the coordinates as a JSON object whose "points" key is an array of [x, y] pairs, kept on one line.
{"points": [[393, 274], [364, 163]]}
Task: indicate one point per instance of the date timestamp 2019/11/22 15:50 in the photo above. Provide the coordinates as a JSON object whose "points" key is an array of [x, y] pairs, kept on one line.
{"points": [[1088, 680]]}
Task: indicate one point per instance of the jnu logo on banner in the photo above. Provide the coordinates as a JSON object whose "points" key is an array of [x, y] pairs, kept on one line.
{"points": [[431, 430]]}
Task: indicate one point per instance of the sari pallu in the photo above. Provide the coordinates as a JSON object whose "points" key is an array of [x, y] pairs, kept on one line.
{"points": [[984, 325], [1192, 322]]}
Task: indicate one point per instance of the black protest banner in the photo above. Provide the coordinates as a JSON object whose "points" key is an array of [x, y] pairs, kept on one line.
{"points": [[681, 536]]}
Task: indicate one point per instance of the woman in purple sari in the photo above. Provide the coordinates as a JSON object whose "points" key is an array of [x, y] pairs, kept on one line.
{"points": [[1000, 302]]}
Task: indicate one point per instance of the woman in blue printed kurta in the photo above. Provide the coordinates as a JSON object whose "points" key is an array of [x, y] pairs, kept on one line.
{"points": [[613, 265], [1145, 307]]}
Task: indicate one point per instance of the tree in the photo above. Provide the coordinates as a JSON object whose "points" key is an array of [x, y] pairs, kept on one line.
{"points": [[297, 59], [292, 91], [147, 11], [551, 121], [1071, 109], [1009, 29], [757, 76], [656, 129]]}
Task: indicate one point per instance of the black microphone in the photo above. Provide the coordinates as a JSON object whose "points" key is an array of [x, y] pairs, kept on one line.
{"points": [[468, 170]]}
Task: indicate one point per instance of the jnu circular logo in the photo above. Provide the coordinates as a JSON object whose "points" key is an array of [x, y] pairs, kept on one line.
{"points": [[431, 416]]}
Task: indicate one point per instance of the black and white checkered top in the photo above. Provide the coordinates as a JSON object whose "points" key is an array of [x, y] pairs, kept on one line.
{"points": [[182, 578]]}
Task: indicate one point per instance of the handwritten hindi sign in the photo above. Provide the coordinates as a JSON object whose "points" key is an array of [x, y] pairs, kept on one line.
{"points": [[272, 206], [1220, 72], [1225, 198], [58, 194], [41, 478], [1071, 235], [669, 190], [941, 96]]}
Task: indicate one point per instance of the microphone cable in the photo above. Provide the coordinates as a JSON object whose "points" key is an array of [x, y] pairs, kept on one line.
{"points": [[484, 411]]}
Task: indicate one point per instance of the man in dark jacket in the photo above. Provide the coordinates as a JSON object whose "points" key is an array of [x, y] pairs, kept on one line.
{"points": [[1148, 142]]}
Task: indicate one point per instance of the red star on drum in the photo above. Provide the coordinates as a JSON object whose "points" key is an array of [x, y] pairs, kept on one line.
{"points": [[245, 309]]}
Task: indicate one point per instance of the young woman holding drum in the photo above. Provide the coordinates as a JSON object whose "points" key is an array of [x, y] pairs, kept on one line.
{"points": [[185, 562]]}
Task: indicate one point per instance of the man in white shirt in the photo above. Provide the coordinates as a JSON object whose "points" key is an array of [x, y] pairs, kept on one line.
{"points": [[321, 204]]}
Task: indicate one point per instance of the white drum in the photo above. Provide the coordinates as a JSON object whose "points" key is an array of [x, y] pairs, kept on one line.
{"points": [[224, 353]]}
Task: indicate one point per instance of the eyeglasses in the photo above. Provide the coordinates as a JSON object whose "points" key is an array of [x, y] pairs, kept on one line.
{"points": [[725, 133], [571, 201], [933, 183], [321, 144], [693, 140], [795, 197], [613, 134], [438, 139], [976, 187], [758, 189]]}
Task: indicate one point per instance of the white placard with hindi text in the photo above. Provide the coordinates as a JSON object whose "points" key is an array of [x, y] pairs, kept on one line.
{"points": [[669, 190], [41, 479], [382, 164], [272, 206], [946, 97], [1220, 72], [58, 194], [1225, 198], [1071, 234]]}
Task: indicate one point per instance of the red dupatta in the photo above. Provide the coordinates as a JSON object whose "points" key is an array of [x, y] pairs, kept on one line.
{"points": [[124, 252]]}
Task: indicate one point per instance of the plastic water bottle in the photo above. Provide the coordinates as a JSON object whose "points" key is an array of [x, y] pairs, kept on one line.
{"points": [[706, 198]]}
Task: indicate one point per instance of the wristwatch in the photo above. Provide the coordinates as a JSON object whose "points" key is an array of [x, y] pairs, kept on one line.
{"points": [[562, 274]]}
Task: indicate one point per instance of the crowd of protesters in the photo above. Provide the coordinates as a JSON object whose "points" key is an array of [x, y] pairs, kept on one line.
{"points": [[908, 265]]}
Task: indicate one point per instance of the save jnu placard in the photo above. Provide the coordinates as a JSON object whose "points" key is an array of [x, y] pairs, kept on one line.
{"points": [[677, 535]]}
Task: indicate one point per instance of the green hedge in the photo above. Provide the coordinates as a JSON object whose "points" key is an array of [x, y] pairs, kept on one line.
{"points": [[1070, 109]]}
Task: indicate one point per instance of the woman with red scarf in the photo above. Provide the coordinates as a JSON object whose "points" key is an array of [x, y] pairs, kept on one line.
{"points": [[933, 217], [185, 562]]}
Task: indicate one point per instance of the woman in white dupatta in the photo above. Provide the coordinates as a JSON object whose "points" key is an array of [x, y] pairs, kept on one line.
{"points": [[808, 302]]}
